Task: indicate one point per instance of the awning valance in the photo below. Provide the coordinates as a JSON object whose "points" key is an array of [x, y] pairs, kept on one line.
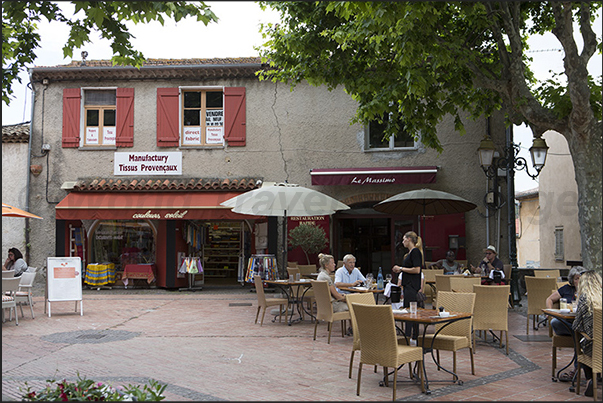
{"points": [[374, 176], [148, 205]]}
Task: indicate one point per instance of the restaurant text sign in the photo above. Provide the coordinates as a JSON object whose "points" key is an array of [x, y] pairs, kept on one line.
{"points": [[151, 163]]}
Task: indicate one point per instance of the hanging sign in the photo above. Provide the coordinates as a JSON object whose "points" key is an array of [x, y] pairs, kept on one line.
{"points": [[150, 163]]}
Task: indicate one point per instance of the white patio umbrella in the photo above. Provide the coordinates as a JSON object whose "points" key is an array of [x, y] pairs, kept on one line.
{"points": [[284, 200]]}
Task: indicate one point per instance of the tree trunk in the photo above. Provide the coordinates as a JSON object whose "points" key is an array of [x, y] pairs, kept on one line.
{"points": [[586, 151]]}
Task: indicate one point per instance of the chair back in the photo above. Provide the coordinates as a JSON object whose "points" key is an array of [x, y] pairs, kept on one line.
{"points": [[291, 264], [293, 271], [10, 285], [555, 273], [27, 279], [339, 264], [31, 269], [324, 308], [539, 289], [463, 284], [427, 265], [430, 274], [8, 273], [365, 298], [507, 270], [491, 307], [457, 302], [259, 290], [376, 328], [306, 269], [442, 282], [597, 350]]}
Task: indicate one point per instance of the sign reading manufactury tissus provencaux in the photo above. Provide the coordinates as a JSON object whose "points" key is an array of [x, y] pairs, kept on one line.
{"points": [[149, 163]]}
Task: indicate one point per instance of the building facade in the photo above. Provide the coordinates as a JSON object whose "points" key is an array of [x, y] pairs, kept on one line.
{"points": [[140, 160], [527, 225]]}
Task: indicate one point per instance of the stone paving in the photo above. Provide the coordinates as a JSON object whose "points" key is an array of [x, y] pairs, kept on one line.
{"points": [[205, 346]]}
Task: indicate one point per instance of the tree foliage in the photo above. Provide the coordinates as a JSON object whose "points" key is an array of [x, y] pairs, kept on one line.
{"points": [[421, 61], [20, 37], [308, 236]]}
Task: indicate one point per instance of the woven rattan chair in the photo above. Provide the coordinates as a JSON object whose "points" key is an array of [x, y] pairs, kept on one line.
{"points": [[463, 284], [507, 270], [595, 361], [305, 269], [454, 336], [264, 302], [491, 312], [379, 343], [9, 288], [555, 273], [443, 283], [324, 309], [358, 298], [430, 275], [291, 264], [298, 290], [558, 341], [539, 289]]}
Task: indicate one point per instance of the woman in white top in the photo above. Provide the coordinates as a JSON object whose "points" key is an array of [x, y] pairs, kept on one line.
{"points": [[15, 262], [327, 267]]}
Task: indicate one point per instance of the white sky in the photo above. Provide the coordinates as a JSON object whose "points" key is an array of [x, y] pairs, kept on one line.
{"points": [[235, 35]]}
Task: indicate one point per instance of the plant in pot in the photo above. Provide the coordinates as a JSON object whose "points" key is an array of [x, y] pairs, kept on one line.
{"points": [[309, 237]]}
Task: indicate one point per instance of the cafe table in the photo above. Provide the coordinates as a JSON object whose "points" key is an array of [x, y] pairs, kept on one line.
{"points": [[144, 271], [99, 274], [295, 298], [566, 317], [363, 289], [428, 317]]}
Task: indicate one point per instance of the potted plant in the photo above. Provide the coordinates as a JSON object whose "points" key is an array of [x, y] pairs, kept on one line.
{"points": [[309, 237]]}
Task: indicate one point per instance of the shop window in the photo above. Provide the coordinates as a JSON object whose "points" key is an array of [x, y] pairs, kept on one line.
{"points": [[201, 117], [108, 117], [122, 243], [375, 135]]}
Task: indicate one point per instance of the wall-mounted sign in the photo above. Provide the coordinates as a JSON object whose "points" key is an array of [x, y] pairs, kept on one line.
{"points": [[151, 163], [374, 176]]}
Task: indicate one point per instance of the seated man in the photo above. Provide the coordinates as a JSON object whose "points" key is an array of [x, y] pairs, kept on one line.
{"points": [[491, 262], [449, 265], [348, 275]]}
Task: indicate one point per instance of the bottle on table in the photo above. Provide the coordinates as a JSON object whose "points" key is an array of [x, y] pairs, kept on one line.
{"points": [[380, 279]]}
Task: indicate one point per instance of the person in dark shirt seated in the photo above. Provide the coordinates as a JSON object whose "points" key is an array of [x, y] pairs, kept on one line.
{"points": [[490, 263]]}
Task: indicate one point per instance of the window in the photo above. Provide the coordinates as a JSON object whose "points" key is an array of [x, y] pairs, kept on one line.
{"points": [[123, 242], [375, 136], [209, 117], [559, 254], [202, 118], [99, 117]]}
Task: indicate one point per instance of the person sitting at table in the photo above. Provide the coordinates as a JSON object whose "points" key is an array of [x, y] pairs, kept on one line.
{"points": [[15, 262], [569, 292], [348, 275], [489, 263], [449, 265], [589, 297], [327, 267]]}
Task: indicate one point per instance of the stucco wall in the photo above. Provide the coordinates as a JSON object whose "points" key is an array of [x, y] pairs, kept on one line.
{"points": [[14, 185], [528, 240], [288, 133], [558, 193]]}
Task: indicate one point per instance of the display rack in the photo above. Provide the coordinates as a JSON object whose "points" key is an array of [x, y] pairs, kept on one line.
{"points": [[193, 284], [223, 249], [262, 265]]}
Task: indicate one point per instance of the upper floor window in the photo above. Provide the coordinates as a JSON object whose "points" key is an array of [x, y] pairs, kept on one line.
{"points": [[375, 136], [202, 118], [99, 117], [559, 247]]}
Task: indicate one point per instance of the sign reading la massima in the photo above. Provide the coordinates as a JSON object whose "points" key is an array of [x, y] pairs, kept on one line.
{"points": [[149, 163]]}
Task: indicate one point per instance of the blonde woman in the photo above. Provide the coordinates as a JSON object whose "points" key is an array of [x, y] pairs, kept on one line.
{"points": [[589, 297], [327, 267]]}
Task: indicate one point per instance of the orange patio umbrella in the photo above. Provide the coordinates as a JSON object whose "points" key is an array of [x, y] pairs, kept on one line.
{"points": [[10, 211]]}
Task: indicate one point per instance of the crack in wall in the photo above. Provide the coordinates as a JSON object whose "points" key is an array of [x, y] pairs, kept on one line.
{"points": [[280, 137]]}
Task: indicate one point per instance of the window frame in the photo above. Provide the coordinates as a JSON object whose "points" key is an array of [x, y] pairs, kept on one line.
{"points": [[203, 124], [559, 244], [391, 146], [101, 108]]}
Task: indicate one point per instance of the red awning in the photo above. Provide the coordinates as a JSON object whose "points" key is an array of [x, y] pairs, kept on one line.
{"points": [[374, 176], [148, 205]]}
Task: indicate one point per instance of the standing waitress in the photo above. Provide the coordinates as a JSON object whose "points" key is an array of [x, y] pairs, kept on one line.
{"points": [[411, 280]]}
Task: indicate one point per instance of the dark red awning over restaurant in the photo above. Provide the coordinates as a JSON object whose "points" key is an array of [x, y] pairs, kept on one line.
{"points": [[374, 176]]}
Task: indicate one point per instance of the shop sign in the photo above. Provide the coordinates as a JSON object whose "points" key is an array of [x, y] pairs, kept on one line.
{"points": [[374, 176], [150, 163], [156, 215]]}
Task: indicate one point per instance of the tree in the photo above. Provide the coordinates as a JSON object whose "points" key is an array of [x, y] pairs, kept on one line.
{"points": [[310, 237], [420, 61], [20, 38]]}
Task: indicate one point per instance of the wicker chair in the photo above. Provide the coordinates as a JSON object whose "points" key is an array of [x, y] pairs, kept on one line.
{"points": [[595, 361], [263, 302], [324, 309], [538, 289], [442, 283], [380, 345], [358, 298], [307, 268], [463, 284], [291, 264], [554, 273], [491, 311], [454, 336], [298, 290], [559, 341], [430, 275]]}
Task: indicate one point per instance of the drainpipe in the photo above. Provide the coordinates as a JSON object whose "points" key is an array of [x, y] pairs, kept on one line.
{"points": [[27, 227]]}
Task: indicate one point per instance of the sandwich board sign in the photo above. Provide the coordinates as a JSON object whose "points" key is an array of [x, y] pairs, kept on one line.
{"points": [[64, 281]]}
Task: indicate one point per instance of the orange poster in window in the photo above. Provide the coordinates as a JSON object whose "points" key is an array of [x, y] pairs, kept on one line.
{"points": [[64, 272]]}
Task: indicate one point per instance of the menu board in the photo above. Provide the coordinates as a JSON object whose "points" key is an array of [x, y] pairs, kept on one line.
{"points": [[64, 279]]}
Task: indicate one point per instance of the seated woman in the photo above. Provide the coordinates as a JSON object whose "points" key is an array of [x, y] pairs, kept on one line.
{"points": [[327, 267], [589, 297], [449, 265], [15, 262]]}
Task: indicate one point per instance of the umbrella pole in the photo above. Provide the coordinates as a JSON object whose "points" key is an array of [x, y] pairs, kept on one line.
{"points": [[285, 245]]}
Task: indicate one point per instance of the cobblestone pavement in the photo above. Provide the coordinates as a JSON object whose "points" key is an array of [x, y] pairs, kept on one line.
{"points": [[205, 346]]}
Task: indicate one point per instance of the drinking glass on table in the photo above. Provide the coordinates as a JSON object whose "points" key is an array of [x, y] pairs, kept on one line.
{"points": [[369, 280]]}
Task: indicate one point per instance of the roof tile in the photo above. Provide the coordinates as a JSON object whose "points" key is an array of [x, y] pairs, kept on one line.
{"points": [[141, 184]]}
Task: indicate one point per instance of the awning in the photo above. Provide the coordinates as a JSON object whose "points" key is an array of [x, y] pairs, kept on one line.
{"points": [[374, 176], [148, 205]]}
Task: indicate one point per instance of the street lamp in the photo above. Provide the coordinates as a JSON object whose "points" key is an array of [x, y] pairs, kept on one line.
{"points": [[510, 162]]}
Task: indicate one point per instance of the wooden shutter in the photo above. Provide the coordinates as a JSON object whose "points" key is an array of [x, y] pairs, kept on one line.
{"points": [[72, 98], [124, 115], [168, 109], [234, 116]]}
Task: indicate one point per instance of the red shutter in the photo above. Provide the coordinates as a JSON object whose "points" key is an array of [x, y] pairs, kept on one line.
{"points": [[168, 109], [234, 116], [125, 117], [71, 117]]}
